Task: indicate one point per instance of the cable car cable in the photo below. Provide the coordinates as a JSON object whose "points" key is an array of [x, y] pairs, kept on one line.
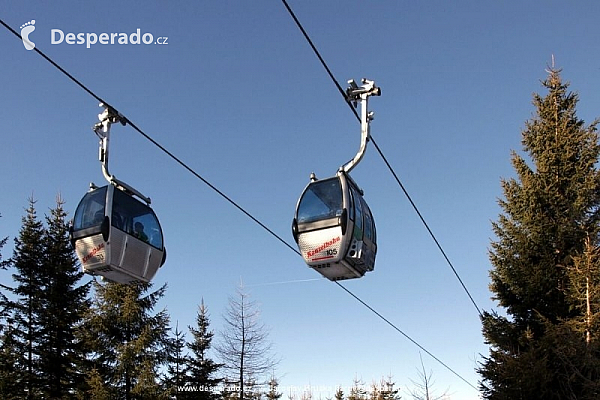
{"points": [[404, 334], [323, 63], [343, 93], [427, 226], [183, 164], [36, 49], [213, 187]]}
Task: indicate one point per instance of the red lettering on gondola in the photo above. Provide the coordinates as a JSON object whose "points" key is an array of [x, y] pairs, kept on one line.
{"points": [[93, 252], [322, 247]]}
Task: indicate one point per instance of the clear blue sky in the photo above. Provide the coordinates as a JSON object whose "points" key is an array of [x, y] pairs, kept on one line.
{"points": [[238, 95]]}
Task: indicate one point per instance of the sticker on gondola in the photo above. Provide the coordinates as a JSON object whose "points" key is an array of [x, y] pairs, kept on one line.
{"points": [[95, 253], [324, 252]]}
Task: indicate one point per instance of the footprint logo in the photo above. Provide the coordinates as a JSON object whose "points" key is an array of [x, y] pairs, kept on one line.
{"points": [[26, 29]]}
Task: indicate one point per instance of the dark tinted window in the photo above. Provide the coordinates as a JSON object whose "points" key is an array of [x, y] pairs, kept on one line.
{"points": [[321, 200], [90, 211], [369, 226], [136, 219], [358, 222], [351, 204]]}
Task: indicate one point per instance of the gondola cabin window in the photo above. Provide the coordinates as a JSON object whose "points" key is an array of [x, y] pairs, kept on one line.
{"points": [[358, 222], [136, 219], [322, 200], [369, 225], [90, 212]]}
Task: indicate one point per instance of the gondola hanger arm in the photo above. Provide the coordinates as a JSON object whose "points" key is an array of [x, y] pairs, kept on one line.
{"points": [[360, 94], [102, 129]]}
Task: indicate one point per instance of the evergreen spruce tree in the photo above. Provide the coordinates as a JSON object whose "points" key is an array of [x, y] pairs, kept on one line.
{"points": [[96, 388], [575, 341], [27, 259], [176, 376], [62, 308], [252, 390], [9, 356], [129, 344], [357, 391], [11, 364], [549, 211], [584, 293], [386, 390], [273, 393], [201, 368], [4, 264], [339, 394]]}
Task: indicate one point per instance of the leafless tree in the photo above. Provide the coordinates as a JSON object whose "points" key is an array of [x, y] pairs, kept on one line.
{"points": [[244, 347], [424, 388]]}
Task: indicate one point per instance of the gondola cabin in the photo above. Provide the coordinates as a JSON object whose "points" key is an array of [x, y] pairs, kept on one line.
{"points": [[117, 236], [334, 228]]}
